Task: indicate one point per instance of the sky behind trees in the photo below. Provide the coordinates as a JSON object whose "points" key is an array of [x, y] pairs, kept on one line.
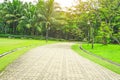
{"points": [[84, 22], [63, 3]]}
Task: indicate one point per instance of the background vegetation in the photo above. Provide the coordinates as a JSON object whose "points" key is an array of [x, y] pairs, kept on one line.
{"points": [[92, 21]]}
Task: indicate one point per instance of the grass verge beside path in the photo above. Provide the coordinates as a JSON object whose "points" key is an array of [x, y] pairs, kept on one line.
{"points": [[110, 51], [9, 44], [108, 65]]}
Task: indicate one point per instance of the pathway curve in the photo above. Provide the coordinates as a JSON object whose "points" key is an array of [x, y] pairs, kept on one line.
{"points": [[56, 62]]}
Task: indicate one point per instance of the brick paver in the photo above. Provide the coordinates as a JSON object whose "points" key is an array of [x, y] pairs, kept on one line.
{"points": [[55, 62]]}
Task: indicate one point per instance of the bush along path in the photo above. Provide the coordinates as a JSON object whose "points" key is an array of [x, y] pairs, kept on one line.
{"points": [[55, 62]]}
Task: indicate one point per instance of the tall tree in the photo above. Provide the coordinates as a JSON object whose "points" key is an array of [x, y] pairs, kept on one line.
{"points": [[46, 9]]}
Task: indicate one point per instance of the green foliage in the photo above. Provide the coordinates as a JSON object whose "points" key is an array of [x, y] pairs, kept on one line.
{"points": [[87, 20], [22, 37], [105, 33], [98, 39]]}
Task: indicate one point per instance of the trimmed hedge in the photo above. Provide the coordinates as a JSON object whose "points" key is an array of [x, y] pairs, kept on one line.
{"points": [[21, 36]]}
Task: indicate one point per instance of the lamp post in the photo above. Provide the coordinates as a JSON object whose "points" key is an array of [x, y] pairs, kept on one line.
{"points": [[47, 29], [88, 31]]}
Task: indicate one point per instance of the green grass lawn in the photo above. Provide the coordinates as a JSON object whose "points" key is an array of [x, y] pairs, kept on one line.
{"points": [[108, 65], [110, 51], [10, 44]]}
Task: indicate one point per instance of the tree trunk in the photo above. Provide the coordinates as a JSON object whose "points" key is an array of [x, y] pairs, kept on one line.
{"points": [[88, 35], [104, 40], [46, 35], [93, 43], [46, 32], [92, 36], [32, 31]]}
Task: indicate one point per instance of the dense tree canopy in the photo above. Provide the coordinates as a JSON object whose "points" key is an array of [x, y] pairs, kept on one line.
{"points": [[92, 20]]}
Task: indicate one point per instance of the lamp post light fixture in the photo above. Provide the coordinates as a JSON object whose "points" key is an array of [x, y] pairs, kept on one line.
{"points": [[88, 22], [88, 31]]}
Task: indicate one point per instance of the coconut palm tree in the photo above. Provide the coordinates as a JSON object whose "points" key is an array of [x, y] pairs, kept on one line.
{"points": [[46, 10]]}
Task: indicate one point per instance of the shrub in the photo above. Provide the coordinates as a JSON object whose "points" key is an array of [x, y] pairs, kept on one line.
{"points": [[98, 39]]}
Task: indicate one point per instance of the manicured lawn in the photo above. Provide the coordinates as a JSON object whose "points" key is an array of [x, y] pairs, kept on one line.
{"points": [[9, 44], [108, 65], [110, 51]]}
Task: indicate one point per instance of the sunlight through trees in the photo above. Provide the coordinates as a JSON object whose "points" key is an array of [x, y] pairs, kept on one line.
{"points": [[91, 21]]}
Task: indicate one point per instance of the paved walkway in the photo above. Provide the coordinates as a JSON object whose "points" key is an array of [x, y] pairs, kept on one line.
{"points": [[56, 62]]}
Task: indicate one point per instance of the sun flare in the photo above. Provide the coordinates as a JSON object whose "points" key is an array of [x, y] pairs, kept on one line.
{"points": [[63, 3], [66, 3]]}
